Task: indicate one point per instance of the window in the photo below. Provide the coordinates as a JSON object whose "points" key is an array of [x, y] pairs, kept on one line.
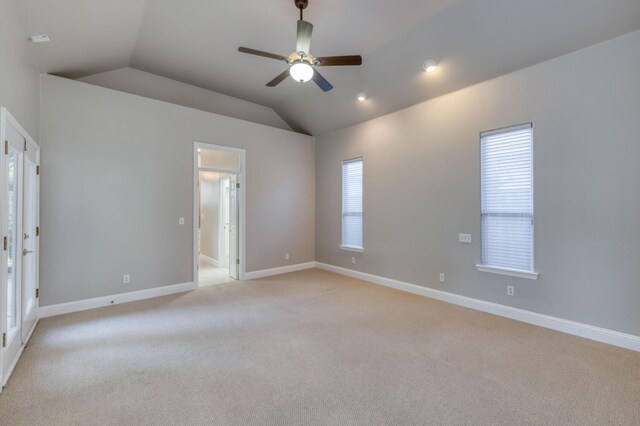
{"points": [[352, 205], [506, 162]]}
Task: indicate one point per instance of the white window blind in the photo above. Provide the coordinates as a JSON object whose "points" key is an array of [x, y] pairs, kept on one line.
{"points": [[352, 204], [507, 198]]}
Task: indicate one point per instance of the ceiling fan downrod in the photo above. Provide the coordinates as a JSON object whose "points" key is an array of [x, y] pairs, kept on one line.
{"points": [[302, 5]]}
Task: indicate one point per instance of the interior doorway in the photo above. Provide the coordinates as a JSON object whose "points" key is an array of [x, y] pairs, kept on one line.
{"points": [[219, 214]]}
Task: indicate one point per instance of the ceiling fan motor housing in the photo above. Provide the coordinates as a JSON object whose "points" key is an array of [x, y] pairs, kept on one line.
{"points": [[302, 57]]}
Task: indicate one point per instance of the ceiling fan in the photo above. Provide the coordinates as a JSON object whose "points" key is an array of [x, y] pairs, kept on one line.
{"points": [[302, 63]]}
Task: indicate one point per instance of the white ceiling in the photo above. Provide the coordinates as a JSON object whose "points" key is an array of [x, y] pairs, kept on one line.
{"points": [[196, 41]]}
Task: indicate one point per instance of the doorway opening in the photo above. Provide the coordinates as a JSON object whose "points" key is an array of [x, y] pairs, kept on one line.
{"points": [[219, 214]]}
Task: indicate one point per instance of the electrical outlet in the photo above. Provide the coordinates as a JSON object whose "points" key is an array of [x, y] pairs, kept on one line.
{"points": [[286, 256], [510, 290], [126, 279], [353, 260], [464, 238], [181, 221], [441, 277]]}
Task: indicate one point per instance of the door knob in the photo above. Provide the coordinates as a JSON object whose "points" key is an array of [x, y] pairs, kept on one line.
{"points": [[26, 252]]}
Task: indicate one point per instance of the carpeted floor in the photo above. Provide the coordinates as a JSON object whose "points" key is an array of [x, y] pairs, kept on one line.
{"points": [[212, 275], [313, 348]]}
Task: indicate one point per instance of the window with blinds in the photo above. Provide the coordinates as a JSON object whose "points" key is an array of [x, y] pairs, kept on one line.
{"points": [[507, 198], [352, 204]]}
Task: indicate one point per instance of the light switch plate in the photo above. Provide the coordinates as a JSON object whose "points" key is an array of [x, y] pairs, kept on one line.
{"points": [[181, 221]]}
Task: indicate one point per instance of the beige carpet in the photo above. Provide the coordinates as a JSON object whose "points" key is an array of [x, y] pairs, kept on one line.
{"points": [[313, 348]]}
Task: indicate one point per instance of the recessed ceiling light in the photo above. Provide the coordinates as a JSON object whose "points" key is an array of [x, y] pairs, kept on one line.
{"points": [[430, 65], [362, 96], [42, 38]]}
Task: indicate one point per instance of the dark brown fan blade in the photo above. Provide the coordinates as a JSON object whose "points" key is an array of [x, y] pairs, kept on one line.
{"points": [[332, 61], [321, 81], [279, 79], [261, 53]]}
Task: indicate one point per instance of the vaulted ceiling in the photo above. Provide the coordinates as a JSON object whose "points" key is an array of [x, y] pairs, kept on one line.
{"points": [[196, 41]]}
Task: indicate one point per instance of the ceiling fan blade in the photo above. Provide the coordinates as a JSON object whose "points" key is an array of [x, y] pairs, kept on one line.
{"points": [[332, 61], [321, 81], [303, 42], [279, 79], [261, 53]]}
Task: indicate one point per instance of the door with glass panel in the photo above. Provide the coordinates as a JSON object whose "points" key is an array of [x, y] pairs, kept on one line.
{"points": [[234, 256], [29, 233], [12, 170]]}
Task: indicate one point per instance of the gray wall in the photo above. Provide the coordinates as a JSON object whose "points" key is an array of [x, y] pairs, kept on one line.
{"points": [[421, 180], [117, 173], [19, 82], [153, 86]]}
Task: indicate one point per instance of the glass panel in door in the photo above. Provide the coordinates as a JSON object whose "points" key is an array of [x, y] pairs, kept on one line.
{"points": [[12, 239], [233, 227], [29, 244], [12, 256]]}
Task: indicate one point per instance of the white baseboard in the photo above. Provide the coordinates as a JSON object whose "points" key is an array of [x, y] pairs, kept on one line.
{"points": [[98, 302], [277, 271], [623, 340], [209, 260]]}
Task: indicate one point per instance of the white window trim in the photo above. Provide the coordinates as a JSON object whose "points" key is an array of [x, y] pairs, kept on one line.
{"points": [[351, 248], [533, 274], [507, 271]]}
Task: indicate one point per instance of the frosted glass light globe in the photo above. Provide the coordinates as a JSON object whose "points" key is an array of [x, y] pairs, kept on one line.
{"points": [[301, 71]]}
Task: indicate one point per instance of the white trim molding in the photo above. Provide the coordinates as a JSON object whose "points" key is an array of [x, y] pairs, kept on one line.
{"points": [[611, 337], [277, 271], [508, 271], [99, 302], [351, 248]]}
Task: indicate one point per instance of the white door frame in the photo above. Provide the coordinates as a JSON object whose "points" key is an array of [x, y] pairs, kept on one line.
{"points": [[6, 117], [241, 203]]}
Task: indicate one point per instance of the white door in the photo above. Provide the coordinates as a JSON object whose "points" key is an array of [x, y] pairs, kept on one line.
{"points": [[29, 242], [12, 249], [224, 210], [234, 258]]}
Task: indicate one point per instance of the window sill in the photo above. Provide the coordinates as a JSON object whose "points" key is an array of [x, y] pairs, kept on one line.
{"points": [[350, 248], [506, 271]]}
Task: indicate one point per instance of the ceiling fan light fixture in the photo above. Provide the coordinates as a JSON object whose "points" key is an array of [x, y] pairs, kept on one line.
{"points": [[301, 62], [301, 71]]}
